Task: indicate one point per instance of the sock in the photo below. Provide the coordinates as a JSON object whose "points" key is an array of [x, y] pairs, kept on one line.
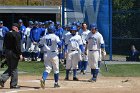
{"points": [[80, 65], [56, 77], [85, 65], [74, 72], [95, 73], [45, 75], [99, 64], [67, 73]]}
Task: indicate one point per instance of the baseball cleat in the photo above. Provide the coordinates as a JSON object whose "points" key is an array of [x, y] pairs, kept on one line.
{"points": [[56, 85], [42, 83], [92, 80], [75, 79], [66, 79], [84, 72]]}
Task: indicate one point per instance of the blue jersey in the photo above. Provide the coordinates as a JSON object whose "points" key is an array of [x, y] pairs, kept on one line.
{"points": [[3, 31], [35, 34], [59, 32], [22, 32]]}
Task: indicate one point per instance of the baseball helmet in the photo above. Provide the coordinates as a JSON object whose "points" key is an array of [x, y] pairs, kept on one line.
{"points": [[73, 28], [51, 29], [93, 26]]}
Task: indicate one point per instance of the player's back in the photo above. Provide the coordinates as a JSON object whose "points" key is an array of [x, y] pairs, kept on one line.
{"points": [[50, 41]]}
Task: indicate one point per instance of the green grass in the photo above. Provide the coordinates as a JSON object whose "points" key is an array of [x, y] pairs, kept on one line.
{"points": [[122, 70], [115, 70], [35, 68]]}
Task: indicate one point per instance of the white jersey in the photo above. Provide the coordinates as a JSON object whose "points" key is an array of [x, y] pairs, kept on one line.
{"points": [[65, 35], [50, 42], [27, 31], [46, 31], [73, 42], [83, 35], [94, 41]]}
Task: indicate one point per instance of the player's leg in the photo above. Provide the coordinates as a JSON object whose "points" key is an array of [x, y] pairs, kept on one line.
{"points": [[55, 64], [47, 70], [94, 68], [68, 65], [85, 63], [75, 61]]}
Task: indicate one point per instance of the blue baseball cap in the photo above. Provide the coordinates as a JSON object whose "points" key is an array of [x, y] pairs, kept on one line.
{"points": [[31, 22], [73, 28], [57, 23], [51, 29], [36, 22], [20, 21], [93, 26]]}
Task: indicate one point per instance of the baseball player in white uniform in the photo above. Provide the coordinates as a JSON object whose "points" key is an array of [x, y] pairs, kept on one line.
{"points": [[83, 34], [50, 44], [28, 40], [73, 46], [94, 46]]}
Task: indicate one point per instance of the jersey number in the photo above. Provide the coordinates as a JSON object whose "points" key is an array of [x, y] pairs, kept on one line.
{"points": [[49, 42]]}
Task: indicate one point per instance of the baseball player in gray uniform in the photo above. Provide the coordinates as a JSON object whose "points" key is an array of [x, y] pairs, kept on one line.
{"points": [[50, 44], [94, 46], [73, 46]]}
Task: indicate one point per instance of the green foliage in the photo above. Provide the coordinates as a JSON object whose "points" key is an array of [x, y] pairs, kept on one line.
{"points": [[122, 70], [125, 18]]}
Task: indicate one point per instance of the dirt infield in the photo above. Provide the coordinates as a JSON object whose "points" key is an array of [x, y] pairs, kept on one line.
{"points": [[31, 84]]}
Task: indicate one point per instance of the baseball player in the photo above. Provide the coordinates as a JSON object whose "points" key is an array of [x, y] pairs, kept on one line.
{"points": [[94, 46], [35, 35], [83, 34], [27, 33], [3, 31], [23, 37], [73, 46], [50, 44]]}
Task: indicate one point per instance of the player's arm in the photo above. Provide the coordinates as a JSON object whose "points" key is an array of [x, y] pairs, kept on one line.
{"points": [[59, 44], [31, 35], [81, 44], [41, 44], [102, 46]]}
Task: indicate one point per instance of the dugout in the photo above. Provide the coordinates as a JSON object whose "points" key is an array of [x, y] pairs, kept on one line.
{"points": [[10, 14]]}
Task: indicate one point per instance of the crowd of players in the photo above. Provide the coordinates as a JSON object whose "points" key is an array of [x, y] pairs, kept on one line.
{"points": [[75, 39]]}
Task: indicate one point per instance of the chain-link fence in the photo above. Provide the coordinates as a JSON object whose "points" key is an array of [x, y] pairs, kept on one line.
{"points": [[126, 27]]}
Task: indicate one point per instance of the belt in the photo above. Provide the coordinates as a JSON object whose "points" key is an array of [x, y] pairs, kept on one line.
{"points": [[47, 52], [74, 50], [93, 50]]}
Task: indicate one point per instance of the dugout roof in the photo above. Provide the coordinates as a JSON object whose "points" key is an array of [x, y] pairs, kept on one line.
{"points": [[29, 9]]}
